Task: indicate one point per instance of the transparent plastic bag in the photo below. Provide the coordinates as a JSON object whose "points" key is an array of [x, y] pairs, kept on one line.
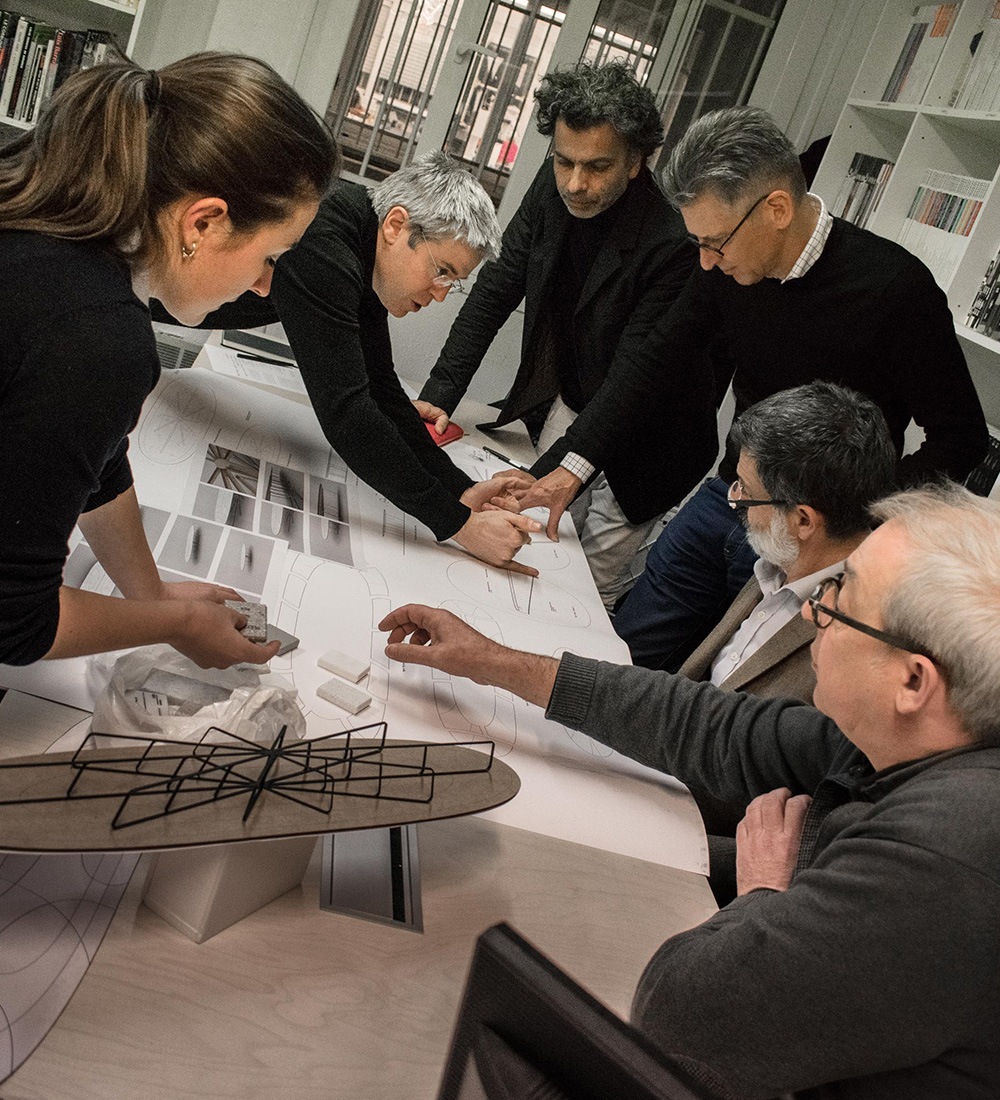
{"points": [[157, 692]]}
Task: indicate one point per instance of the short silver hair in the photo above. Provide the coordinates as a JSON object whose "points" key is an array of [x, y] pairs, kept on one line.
{"points": [[443, 201], [947, 599], [731, 153]]}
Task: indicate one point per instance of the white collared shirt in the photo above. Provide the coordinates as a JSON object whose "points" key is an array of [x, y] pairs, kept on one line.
{"points": [[781, 603], [814, 246]]}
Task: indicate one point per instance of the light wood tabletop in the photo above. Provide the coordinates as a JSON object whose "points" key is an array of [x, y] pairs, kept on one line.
{"points": [[297, 1002]]}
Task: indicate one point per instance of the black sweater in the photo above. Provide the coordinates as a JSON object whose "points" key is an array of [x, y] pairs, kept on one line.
{"points": [[339, 332], [77, 360], [868, 315]]}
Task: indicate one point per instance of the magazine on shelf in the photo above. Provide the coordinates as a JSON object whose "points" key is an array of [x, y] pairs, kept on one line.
{"points": [[941, 217], [863, 187], [921, 50], [978, 85]]}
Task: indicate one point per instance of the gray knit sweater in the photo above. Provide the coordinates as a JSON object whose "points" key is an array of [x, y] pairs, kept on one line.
{"points": [[875, 974]]}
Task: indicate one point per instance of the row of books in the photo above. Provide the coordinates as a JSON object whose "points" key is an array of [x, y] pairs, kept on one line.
{"points": [[35, 58], [862, 189], [978, 85], [984, 314], [917, 59], [941, 217]]}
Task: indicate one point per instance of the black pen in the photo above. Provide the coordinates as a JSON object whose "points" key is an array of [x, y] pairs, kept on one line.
{"points": [[264, 359], [504, 458]]}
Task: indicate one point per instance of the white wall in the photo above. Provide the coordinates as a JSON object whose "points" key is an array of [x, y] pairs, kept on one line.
{"points": [[172, 29], [302, 39], [814, 56]]}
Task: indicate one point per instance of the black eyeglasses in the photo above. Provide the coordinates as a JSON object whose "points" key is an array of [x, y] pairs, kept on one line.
{"points": [[739, 225], [734, 494], [823, 615]]}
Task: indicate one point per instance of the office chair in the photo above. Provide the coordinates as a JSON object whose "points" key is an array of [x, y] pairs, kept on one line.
{"points": [[527, 1031]]}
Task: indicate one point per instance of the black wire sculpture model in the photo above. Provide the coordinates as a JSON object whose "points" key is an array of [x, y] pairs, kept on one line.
{"points": [[181, 775]]}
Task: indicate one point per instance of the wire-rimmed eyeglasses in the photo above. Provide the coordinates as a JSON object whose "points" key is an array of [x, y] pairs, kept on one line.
{"points": [[442, 278], [823, 614], [734, 494], [717, 249]]}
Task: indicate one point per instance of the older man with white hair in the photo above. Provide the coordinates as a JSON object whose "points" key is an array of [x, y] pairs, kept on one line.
{"points": [[859, 959]]}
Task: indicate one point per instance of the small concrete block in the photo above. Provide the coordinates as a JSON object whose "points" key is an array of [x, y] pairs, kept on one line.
{"points": [[256, 615], [344, 696]]}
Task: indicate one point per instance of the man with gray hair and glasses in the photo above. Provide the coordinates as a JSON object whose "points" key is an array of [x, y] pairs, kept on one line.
{"points": [[597, 256], [787, 294], [859, 960], [394, 248]]}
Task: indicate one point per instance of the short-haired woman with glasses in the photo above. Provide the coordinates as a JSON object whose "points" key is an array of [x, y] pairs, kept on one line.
{"points": [[391, 249]]}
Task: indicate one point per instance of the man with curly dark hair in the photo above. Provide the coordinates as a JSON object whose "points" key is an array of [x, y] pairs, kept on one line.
{"points": [[597, 256]]}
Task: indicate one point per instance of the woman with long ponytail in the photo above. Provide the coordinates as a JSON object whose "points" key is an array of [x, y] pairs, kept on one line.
{"points": [[185, 184]]}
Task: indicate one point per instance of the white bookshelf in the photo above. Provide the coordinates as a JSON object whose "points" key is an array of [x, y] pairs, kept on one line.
{"points": [[123, 18], [920, 136]]}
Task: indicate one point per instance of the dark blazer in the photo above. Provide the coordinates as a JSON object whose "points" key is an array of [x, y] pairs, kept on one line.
{"points": [[648, 424], [781, 668]]}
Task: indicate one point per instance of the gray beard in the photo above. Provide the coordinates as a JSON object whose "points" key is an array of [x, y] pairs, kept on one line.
{"points": [[774, 544]]}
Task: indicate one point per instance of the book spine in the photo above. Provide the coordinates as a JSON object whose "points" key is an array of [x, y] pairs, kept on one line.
{"points": [[21, 64], [28, 80], [6, 28], [903, 62], [43, 67], [15, 53], [50, 76]]}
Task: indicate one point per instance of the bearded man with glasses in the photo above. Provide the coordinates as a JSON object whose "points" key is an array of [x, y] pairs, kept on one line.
{"points": [[786, 294], [859, 960]]}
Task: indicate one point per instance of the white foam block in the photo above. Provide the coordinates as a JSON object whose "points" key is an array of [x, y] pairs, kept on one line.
{"points": [[344, 696], [343, 664]]}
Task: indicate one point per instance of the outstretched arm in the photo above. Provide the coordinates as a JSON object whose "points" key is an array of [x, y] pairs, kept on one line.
{"points": [[430, 636], [190, 616]]}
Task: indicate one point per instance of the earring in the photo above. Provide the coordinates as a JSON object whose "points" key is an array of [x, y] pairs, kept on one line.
{"points": [[186, 252]]}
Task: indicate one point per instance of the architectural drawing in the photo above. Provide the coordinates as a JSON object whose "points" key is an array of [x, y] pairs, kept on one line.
{"points": [[307, 511], [241, 486]]}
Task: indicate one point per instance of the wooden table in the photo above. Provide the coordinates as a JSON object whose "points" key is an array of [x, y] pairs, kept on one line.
{"points": [[294, 1002]]}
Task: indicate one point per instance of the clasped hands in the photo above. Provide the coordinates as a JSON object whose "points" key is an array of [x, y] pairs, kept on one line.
{"points": [[555, 491]]}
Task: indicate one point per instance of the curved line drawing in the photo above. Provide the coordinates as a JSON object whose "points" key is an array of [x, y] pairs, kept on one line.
{"points": [[260, 441], [176, 424], [465, 710], [54, 911]]}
